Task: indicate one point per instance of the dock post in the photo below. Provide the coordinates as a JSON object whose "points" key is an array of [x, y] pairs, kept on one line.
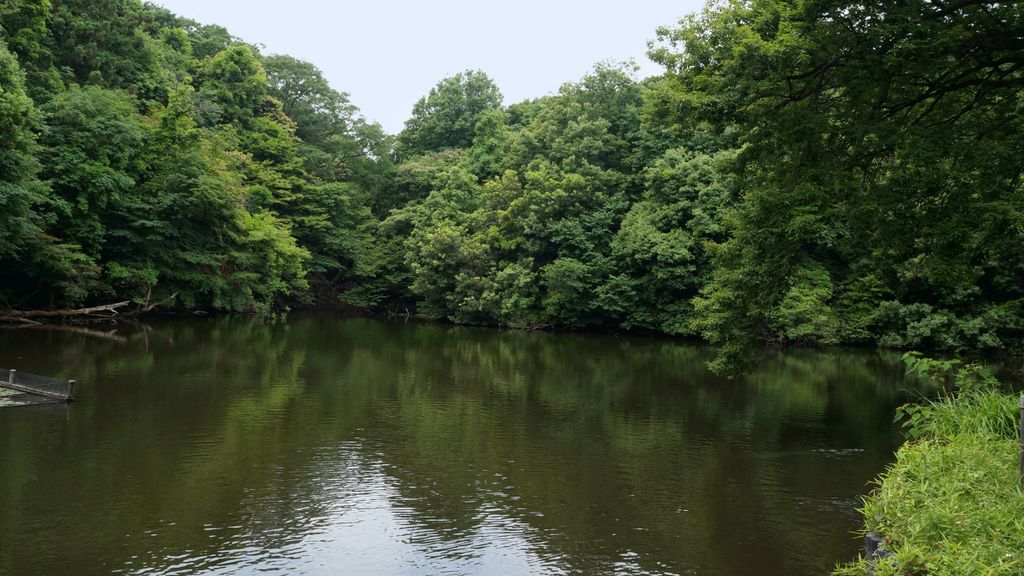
{"points": [[71, 390], [13, 372]]}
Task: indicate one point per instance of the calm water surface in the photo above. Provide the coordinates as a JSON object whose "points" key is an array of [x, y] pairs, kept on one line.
{"points": [[332, 445]]}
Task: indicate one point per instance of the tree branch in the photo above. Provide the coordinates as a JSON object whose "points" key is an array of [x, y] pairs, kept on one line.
{"points": [[111, 308]]}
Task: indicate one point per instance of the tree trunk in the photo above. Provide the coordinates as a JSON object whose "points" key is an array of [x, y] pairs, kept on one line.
{"points": [[20, 316]]}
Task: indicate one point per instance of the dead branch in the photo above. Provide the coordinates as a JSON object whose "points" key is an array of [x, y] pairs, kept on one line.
{"points": [[150, 307], [111, 308]]}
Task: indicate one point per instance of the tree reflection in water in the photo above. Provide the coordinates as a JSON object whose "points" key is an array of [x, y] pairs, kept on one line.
{"points": [[327, 444]]}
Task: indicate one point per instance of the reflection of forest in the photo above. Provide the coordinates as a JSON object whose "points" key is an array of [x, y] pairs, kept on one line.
{"points": [[217, 438]]}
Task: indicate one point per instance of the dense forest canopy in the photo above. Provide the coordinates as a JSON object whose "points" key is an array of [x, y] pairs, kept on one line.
{"points": [[807, 171]]}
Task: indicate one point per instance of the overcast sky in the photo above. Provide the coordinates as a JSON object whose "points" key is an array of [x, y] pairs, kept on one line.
{"points": [[388, 54]]}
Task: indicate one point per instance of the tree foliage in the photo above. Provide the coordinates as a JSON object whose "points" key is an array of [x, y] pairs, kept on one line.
{"points": [[805, 172], [880, 161], [148, 156], [20, 190], [448, 116]]}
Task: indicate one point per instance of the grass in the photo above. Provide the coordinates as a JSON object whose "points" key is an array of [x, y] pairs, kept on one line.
{"points": [[951, 504], [982, 413]]}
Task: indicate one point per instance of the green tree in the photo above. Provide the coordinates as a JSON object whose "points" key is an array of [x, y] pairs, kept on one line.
{"points": [[660, 247], [233, 84], [104, 42], [20, 190], [319, 111], [865, 131], [92, 140], [24, 25], [447, 117], [209, 247]]}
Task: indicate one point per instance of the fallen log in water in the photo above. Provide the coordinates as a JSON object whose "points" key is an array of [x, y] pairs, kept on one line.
{"points": [[26, 318], [33, 316]]}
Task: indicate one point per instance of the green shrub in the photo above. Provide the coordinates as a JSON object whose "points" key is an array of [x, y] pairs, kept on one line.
{"points": [[951, 504]]}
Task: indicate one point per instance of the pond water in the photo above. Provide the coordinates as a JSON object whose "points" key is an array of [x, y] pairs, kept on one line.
{"points": [[336, 445]]}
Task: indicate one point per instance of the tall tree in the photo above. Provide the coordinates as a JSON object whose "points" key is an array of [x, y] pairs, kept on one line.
{"points": [[866, 130], [105, 42], [319, 111], [20, 190], [448, 115]]}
